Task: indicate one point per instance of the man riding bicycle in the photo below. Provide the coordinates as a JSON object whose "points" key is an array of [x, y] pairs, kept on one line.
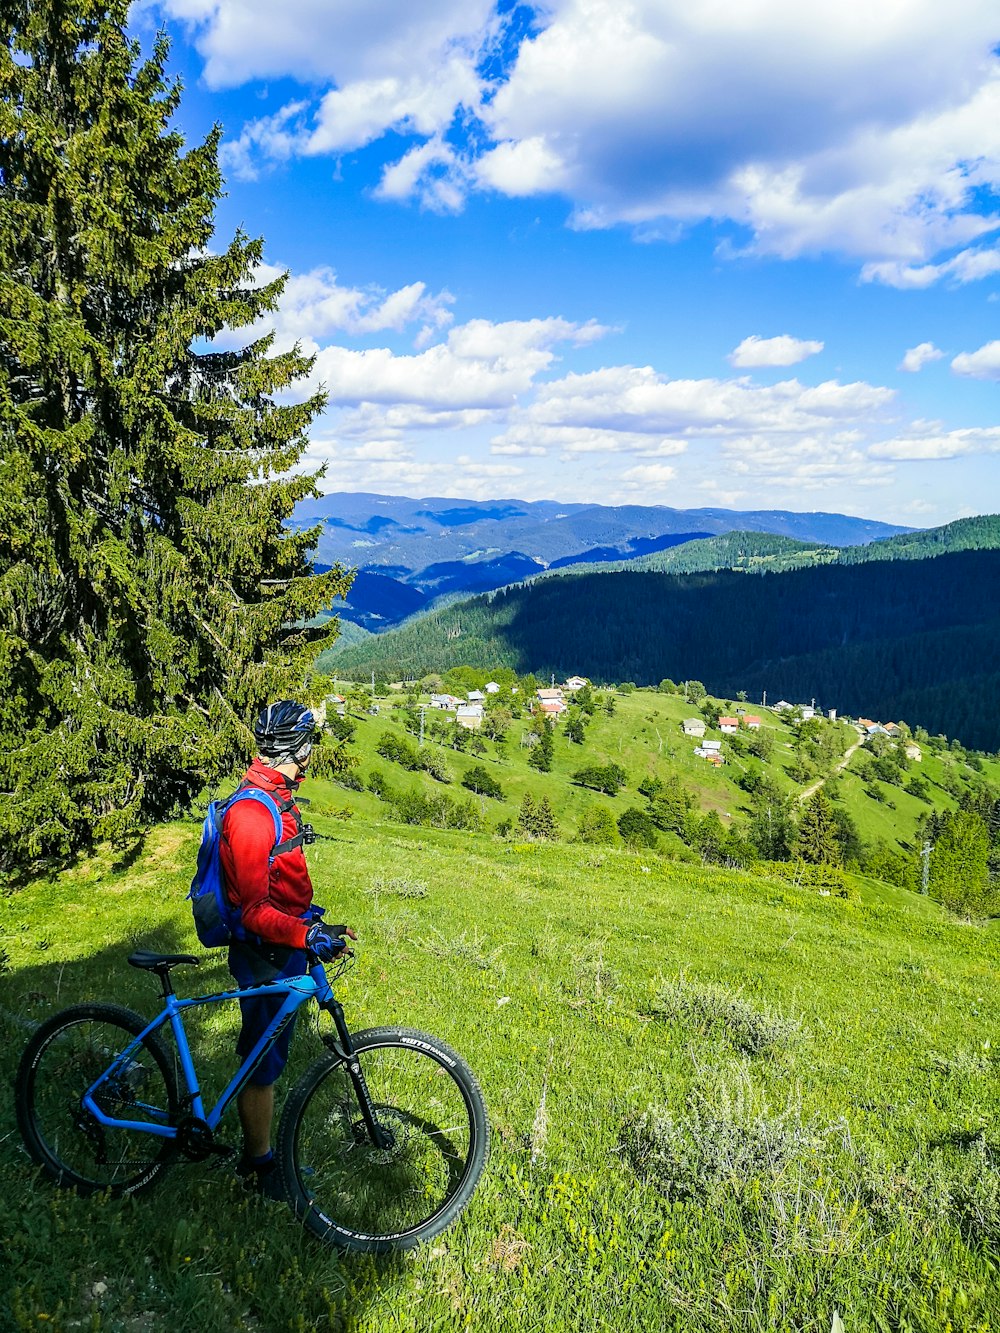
{"points": [[269, 882]]}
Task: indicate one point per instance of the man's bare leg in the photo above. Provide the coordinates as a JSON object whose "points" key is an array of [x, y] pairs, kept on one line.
{"points": [[255, 1105]]}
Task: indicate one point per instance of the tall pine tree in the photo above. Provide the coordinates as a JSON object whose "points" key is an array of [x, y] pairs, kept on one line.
{"points": [[150, 597]]}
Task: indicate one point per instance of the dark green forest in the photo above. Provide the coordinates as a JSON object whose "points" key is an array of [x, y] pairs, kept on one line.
{"points": [[912, 639]]}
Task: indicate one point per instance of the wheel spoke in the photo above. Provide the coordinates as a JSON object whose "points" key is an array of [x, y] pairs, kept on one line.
{"points": [[72, 1054], [421, 1176]]}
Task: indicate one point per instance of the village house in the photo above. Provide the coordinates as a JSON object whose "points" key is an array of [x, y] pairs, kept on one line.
{"points": [[752, 722], [553, 708], [783, 706], [444, 701], [893, 729], [914, 752], [729, 724], [492, 687], [576, 683], [864, 723], [476, 696], [470, 716], [807, 711], [710, 750], [544, 694], [694, 726]]}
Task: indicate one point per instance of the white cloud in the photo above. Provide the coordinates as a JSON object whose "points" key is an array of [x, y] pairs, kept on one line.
{"points": [[569, 440], [915, 358], [350, 43], [830, 126], [967, 266], [944, 444], [821, 126], [431, 173], [480, 366], [983, 364], [313, 305], [783, 350], [633, 398], [806, 463], [648, 476]]}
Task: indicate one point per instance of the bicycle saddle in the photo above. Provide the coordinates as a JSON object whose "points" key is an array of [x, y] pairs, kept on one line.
{"points": [[154, 962]]}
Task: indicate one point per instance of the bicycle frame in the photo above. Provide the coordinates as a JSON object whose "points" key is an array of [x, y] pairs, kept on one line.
{"points": [[297, 992]]}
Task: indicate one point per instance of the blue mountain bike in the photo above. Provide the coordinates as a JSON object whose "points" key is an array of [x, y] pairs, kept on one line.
{"points": [[380, 1143]]}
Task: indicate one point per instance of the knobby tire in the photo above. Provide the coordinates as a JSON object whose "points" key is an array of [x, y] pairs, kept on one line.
{"points": [[61, 1061], [356, 1196]]}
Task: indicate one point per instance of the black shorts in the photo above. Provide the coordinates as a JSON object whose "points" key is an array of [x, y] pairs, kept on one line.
{"points": [[254, 965]]}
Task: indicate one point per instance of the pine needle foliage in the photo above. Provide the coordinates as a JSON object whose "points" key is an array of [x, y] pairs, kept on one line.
{"points": [[150, 597]]}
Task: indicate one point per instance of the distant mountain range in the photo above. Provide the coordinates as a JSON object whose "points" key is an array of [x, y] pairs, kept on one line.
{"points": [[414, 554]]}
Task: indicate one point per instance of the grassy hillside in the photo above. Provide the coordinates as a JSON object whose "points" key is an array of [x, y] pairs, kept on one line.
{"points": [[857, 637], [719, 1102], [645, 737]]}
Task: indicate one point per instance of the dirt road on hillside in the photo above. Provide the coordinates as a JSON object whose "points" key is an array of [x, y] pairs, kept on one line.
{"points": [[840, 764]]}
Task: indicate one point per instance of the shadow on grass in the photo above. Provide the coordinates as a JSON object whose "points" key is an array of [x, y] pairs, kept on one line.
{"points": [[197, 1251], [965, 1139]]}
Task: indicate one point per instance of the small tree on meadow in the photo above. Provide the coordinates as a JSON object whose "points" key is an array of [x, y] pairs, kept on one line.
{"points": [[818, 840], [597, 825], [959, 864], [636, 828]]}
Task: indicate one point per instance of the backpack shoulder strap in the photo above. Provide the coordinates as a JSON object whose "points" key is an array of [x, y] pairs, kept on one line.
{"points": [[277, 808], [262, 798]]}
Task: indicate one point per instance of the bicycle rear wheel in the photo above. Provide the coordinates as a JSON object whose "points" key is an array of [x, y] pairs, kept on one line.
{"points": [[357, 1196], [64, 1058]]}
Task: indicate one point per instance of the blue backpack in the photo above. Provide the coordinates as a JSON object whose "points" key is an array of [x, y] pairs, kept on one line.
{"points": [[216, 920]]}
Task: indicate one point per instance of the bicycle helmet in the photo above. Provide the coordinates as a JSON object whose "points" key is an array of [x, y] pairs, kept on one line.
{"points": [[285, 732]]}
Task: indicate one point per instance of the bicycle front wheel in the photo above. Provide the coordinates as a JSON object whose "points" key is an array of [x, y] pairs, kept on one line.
{"points": [[66, 1057], [359, 1196]]}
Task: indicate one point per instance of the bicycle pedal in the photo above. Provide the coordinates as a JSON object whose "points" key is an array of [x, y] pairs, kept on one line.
{"points": [[222, 1155]]}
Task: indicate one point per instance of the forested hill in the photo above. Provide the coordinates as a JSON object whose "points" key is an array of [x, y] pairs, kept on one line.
{"points": [[750, 552], [980, 533], [897, 638], [768, 553]]}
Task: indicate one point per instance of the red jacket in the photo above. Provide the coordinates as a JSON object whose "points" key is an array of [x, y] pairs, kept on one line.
{"points": [[271, 898]]}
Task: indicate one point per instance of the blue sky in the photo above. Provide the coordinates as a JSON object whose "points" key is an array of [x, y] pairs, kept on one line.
{"points": [[739, 254]]}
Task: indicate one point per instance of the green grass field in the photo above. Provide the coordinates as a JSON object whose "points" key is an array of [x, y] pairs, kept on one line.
{"points": [[719, 1102], [645, 736]]}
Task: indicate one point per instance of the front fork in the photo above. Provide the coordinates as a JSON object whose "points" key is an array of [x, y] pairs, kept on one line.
{"points": [[342, 1046]]}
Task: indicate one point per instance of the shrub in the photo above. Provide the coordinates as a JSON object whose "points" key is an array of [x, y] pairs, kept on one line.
{"points": [[437, 811], [398, 750], [636, 828], [483, 783], [597, 825], [383, 886], [700, 1152], [433, 764], [608, 778], [378, 784], [715, 1011], [536, 819], [809, 875]]}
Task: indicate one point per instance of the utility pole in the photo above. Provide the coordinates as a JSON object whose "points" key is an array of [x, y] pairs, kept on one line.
{"points": [[925, 874], [685, 691], [764, 704]]}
